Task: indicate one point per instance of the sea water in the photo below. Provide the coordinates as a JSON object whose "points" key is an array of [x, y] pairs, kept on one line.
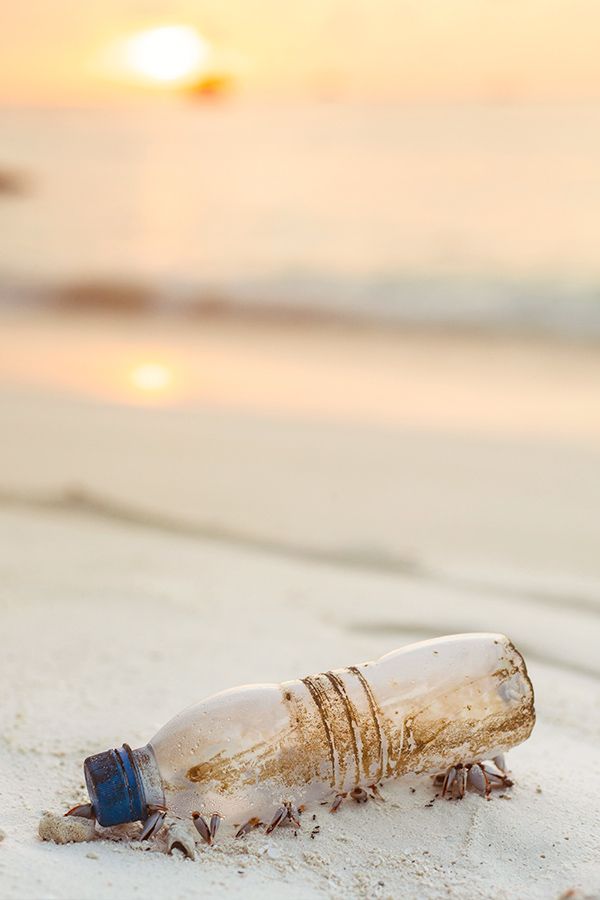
{"points": [[471, 215]]}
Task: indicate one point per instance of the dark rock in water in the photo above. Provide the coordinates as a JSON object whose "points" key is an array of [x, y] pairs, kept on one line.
{"points": [[14, 183]]}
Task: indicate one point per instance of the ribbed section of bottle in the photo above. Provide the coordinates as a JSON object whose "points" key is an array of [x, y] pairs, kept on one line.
{"points": [[425, 707]]}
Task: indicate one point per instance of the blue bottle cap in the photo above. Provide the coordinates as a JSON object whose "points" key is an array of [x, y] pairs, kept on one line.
{"points": [[115, 786]]}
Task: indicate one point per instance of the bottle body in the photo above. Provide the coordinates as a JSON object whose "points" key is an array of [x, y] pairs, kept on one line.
{"points": [[244, 752]]}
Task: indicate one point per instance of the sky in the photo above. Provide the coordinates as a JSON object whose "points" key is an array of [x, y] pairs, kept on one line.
{"points": [[55, 51]]}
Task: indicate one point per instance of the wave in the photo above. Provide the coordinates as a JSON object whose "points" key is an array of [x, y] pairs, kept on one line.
{"points": [[527, 305]]}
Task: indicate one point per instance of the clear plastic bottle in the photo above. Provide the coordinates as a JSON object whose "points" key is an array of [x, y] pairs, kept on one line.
{"points": [[244, 752]]}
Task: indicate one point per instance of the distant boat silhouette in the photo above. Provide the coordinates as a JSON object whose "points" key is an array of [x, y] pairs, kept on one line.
{"points": [[210, 87]]}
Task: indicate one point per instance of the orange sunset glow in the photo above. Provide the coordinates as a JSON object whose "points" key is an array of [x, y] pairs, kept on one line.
{"points": [[54, 50]]}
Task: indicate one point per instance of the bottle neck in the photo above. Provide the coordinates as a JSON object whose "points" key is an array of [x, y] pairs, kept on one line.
{"points": [[124, 785], [149, 775]]}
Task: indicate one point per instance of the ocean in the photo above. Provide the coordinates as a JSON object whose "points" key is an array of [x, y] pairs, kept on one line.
{"points": [[476, 216]]}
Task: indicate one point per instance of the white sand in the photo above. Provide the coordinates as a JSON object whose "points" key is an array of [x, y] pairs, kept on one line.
{"points": [[209, 546]]}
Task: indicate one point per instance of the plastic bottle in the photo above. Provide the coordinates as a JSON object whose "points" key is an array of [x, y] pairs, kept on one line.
{"points": [[244, 752]]}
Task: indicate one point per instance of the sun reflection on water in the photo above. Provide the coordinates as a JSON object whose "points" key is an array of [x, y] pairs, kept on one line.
{"points": [[151, 377]]}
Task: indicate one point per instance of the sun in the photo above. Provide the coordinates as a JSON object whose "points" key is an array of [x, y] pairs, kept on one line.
{"points": [[169, 54]]}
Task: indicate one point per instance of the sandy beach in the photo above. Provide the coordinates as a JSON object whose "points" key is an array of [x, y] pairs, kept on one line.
{"points": [[300, 500]]}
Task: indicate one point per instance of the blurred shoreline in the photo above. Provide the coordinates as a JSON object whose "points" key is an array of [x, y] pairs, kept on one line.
{"points": [[534, 310], [491, 383]]}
